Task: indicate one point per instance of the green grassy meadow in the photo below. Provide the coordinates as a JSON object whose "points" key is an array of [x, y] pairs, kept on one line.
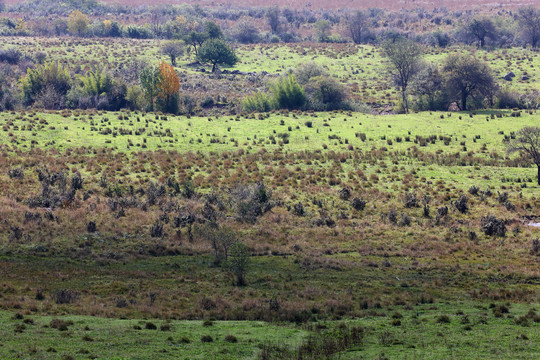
{"points": [[433, 331]]}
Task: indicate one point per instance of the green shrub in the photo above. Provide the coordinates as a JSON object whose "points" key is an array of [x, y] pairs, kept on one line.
{"points": [[259, 102], [288, 94], [49, 76]]}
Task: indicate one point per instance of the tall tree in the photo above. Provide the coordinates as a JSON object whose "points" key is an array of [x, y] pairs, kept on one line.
{"points": [[272, 15], [466, 76], [529, 21], [405, 59], [527, 141]]}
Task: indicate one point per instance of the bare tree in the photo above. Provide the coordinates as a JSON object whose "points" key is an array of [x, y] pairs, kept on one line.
{"points": [[358, 27], [220, 238], [157, 18], [527, 141], [529, 21], [405, 58]]}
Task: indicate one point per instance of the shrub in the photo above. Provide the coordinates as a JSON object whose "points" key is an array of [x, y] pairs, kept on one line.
{"points": [[238, 262], [288, 94], [443, 319], [206, 338], [298, 209], [16, 173], [461, 204], [358, 204], [325, 94], [231, 339], [150, 326], [492, 226], [91, 227], [10, 56], [259, 102], [60, 325], [65, 296], [410, 200], [49, 76]]}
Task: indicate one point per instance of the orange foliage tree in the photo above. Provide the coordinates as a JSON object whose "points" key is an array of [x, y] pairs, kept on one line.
{"points": [[168, 88]]}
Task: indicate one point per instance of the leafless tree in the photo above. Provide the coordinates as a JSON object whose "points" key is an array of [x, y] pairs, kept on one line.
{"points": [[527, 141], [529, 21], [358, 27]]}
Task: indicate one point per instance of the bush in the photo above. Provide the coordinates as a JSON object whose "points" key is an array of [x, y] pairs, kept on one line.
{"points": [[259, 102], [507, 99], [462, 204], [206, 338], [65, 296], [492, 226], [51, 77], [239, 261], [231, 339], [358, 204], [10, 56], [326, 94], [60, 325], [288, 94], [246, 33]]}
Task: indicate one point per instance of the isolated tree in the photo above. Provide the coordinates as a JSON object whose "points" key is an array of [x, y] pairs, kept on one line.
{"points": [[405, 59], [358, 26], [465, 76], [216, 52], [529, 22], [168, 87], [78, 23], [527, 141], [480, 29], [272, 15], [238, 262], [173, 49]]}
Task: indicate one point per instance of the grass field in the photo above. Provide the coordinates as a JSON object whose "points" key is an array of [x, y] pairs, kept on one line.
{"points": [[410, 232], [433, 331]]}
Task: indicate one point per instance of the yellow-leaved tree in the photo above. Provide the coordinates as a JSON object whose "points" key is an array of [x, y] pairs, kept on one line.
{"points": [[78, 23]]}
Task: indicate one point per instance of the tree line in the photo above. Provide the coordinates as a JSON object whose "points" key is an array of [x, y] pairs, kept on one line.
{"points": [[437, 27]]}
